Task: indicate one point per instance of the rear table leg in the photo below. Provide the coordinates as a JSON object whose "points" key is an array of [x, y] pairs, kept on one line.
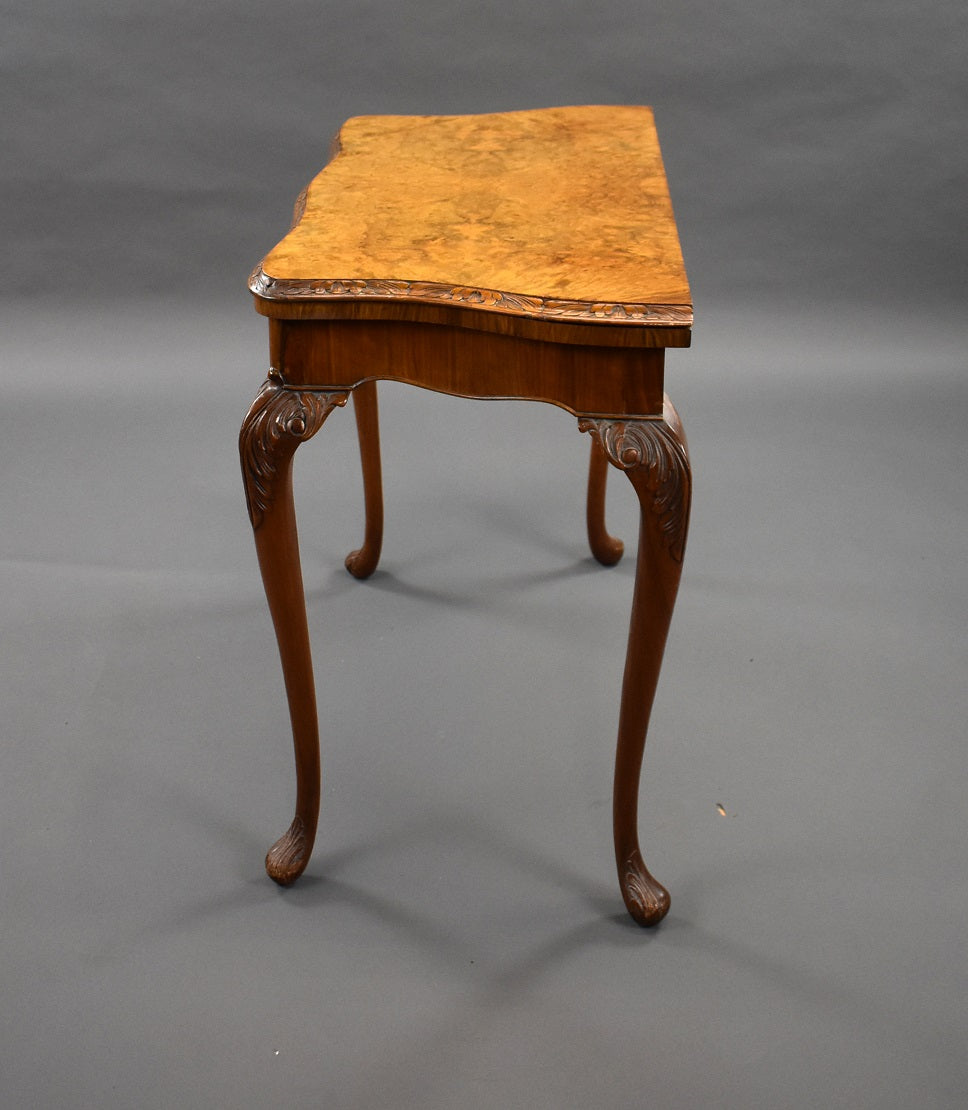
{"points": [[362, 562], [606, 549]]}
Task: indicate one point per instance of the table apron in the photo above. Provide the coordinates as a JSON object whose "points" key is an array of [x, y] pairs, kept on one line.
{"points": [[334, 355]]}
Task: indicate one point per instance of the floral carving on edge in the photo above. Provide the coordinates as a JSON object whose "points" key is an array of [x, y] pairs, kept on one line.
{"points": [[519, 304], [652, 446], [280, 419]]}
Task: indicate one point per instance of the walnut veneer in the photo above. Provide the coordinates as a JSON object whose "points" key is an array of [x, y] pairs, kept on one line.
{"points": [[529, 255]]}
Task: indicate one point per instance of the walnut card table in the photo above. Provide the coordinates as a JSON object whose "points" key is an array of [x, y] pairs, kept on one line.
{"points": [[529, 255]]}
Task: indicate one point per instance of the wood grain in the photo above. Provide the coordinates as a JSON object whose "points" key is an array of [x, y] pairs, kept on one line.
{"points": [[338, 355], [559, 214]]}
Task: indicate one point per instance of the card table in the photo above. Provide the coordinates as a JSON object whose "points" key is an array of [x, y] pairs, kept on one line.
{"points": [[525, 255]]}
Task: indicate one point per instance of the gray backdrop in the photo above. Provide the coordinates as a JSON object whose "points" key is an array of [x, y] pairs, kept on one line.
{"points": [[155, 145], [458, 939]]}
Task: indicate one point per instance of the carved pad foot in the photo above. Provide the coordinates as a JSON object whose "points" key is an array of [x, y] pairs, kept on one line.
{"points": [[361, 563], [608, 550], [646, 899], [287, 858]]}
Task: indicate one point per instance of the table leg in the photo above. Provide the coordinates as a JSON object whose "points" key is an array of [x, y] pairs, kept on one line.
{"points": [[362, 562], [654, 455], [279, 420], [606, 549]]}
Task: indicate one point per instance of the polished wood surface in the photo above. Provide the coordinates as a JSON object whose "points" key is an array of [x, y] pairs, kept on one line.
{"points": [[607, 549], [341, 354], [561, 214], [589, 335], [362, 562], [655, 457], [278, 421]]}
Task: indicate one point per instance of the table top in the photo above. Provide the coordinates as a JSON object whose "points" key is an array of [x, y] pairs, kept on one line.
{"points": [[557, 214]]}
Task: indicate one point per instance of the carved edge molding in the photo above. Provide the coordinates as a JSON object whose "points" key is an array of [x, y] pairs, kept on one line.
{"points": [[516, 304], [653, 446], [280, 413]]}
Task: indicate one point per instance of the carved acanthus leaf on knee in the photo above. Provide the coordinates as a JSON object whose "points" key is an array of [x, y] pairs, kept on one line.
{"points": [[653, 449], [281, 417]]}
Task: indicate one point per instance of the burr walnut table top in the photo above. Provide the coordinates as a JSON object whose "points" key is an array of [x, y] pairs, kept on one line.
{"points": [[559, 215]]}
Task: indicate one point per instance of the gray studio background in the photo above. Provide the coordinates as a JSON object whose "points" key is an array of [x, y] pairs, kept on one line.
{"points": [[458, 939]]}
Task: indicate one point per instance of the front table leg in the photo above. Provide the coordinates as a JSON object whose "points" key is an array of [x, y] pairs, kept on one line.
{"points": [[278, 421], [654, 455]]}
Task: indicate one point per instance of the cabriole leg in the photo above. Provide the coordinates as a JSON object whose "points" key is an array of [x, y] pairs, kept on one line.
{"points": [[362, 562], [279, 420], [606, 549], [654, 455]]}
